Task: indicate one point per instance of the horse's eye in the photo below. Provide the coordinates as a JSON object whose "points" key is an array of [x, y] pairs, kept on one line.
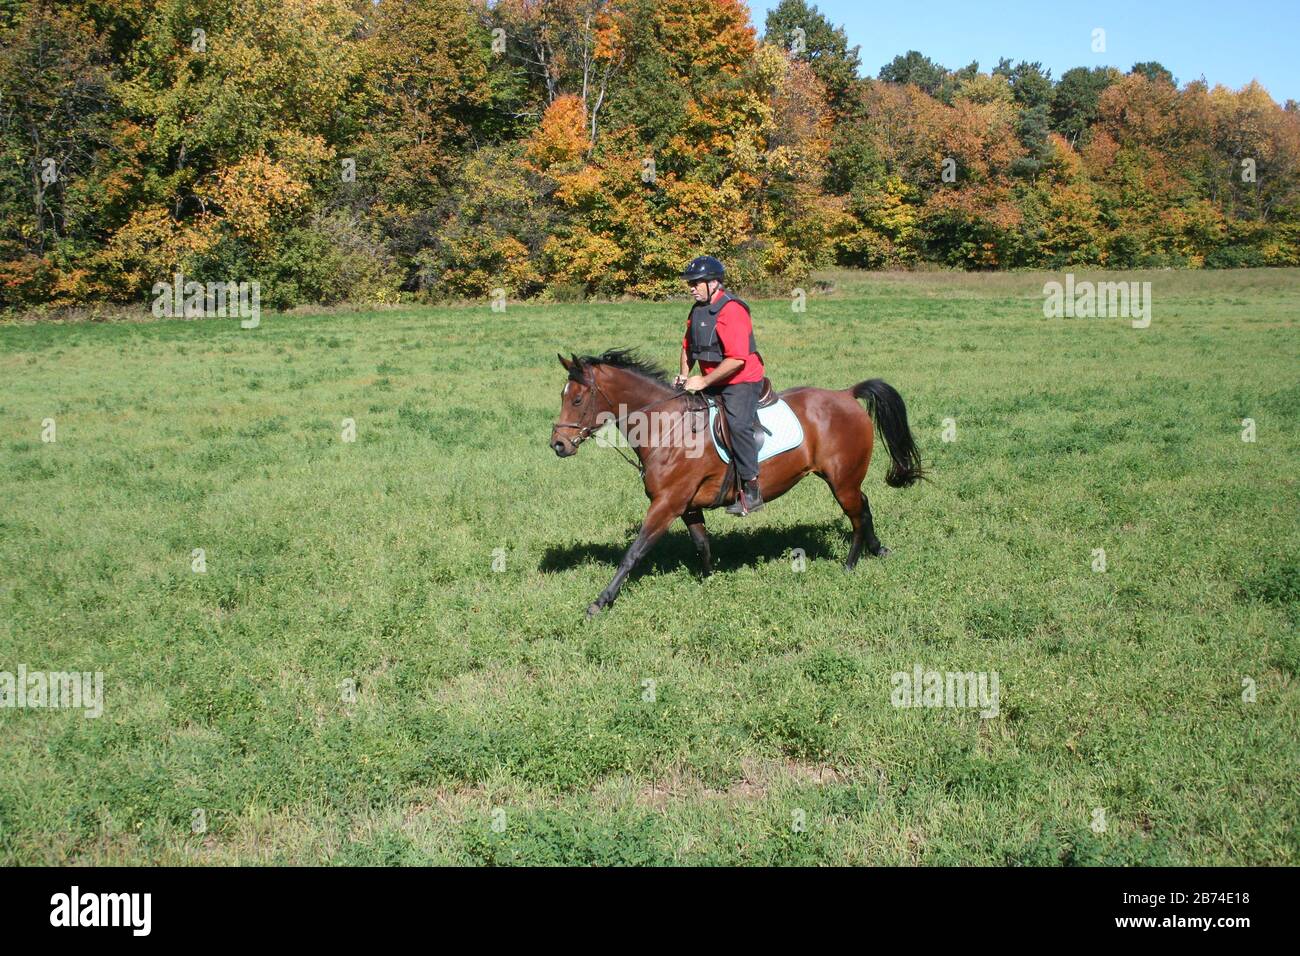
{"points": [[577, 400]]}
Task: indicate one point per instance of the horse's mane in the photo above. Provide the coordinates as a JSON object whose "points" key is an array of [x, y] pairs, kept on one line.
{"points": [[621, 358]]}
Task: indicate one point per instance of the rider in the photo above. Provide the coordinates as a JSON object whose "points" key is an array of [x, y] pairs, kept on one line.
{"points": [[720, 336]]}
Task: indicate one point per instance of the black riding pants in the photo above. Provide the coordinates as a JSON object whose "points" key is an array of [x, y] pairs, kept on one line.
{"points": [[739, 402]]}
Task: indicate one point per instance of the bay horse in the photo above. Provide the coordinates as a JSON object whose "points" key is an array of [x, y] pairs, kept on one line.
{"points": [[681, 482]]}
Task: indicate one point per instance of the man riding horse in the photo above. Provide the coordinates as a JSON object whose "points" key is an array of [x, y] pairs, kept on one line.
{"points": [[720, 336], [837, 432]]}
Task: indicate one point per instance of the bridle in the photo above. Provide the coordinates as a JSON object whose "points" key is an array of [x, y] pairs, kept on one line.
{"points": [[585, 431]]}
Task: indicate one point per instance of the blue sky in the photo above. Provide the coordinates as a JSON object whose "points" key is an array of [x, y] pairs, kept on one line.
{"points": [[1229, 41]]}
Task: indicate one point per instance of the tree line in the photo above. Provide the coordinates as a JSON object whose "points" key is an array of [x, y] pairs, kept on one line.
{"points": [[350, 150]]}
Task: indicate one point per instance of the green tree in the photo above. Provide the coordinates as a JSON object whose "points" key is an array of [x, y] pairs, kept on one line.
{"points": [[1074, 106], [917, 69], [1154, 72], [1031, 85], [825, 48]]}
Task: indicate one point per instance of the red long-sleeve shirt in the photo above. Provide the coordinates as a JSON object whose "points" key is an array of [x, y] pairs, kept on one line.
{"points": [[734, 326]]}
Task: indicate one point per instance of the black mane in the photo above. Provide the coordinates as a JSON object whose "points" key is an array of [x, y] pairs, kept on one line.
{"points": [[621, 358]]}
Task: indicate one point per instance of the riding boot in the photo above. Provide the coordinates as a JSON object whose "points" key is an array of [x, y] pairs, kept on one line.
{"points": [[748, 501]]}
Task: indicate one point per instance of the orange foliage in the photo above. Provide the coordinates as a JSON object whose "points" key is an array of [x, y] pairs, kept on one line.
{"points": [[562, 135]]}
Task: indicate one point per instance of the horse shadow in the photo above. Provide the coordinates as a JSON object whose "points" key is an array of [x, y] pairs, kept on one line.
{"points": [[738, 548]]}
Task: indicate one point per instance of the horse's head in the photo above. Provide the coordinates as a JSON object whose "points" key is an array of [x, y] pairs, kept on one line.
{"points": [[599, 389], [578, 412]]}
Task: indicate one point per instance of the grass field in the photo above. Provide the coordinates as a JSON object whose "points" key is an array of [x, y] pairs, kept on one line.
{"points": [[491, 724]]}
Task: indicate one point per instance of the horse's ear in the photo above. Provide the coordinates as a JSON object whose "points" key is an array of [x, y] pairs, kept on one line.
{"points": [[563, 361]]}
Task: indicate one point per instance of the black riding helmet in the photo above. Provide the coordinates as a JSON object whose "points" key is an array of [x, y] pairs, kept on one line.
{"points": [[703, 267]]}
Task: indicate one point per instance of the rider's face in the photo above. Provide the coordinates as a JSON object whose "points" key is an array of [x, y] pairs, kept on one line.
{"points": [[700, 289]]}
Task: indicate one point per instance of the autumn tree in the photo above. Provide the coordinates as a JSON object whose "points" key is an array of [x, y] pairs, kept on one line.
{"points": [[57, 110]]}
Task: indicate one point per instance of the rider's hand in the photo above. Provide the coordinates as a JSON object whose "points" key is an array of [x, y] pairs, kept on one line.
{"points": [[694, 384]]}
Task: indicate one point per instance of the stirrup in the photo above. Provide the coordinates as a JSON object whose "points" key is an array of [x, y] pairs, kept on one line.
{"points": [[744, 504]]}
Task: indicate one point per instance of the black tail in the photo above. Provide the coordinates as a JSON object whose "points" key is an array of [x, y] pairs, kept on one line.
{"points": [[886, 408]]}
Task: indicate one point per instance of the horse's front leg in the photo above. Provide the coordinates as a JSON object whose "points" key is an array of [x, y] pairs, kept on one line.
{"points": [[662, 513]]}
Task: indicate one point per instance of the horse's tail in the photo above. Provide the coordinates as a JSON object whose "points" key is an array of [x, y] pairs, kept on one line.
{"points": [[889, 413]]}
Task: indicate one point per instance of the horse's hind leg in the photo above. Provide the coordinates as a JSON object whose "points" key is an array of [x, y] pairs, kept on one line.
{"points": [[700, 535], [854, 502], [874, 546]]}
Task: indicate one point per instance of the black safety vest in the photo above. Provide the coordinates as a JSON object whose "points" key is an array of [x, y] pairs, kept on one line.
{"points": [[704, 341]]}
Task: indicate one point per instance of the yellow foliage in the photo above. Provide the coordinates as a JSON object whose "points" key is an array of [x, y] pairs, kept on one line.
{"points": [[586, 258], [152, 245], [251, 193]]}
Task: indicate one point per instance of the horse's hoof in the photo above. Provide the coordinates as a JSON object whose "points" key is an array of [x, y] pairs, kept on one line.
{"points": [[882, 553], [593, 609]]}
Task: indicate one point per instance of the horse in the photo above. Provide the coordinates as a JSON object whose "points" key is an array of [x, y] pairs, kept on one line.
{"points": [[682, 479]]}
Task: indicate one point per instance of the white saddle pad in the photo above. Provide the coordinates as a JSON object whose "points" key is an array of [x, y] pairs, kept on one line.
{"points": [[779, 419]]}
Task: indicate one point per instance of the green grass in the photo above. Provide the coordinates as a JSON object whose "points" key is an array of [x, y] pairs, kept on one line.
{"points": [[479, 692]]}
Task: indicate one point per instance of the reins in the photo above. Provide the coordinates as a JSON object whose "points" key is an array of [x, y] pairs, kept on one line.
{"points": [[586, 431]]}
